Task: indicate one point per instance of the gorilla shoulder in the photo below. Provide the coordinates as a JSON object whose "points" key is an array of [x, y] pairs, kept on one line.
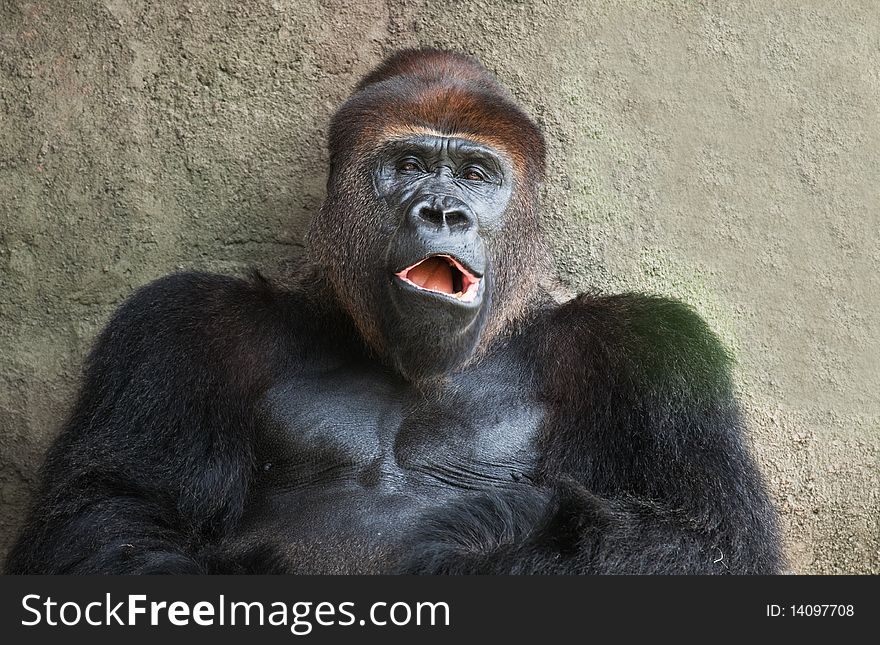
{"points": [[655, 346], [218, 324], [193, 292]]}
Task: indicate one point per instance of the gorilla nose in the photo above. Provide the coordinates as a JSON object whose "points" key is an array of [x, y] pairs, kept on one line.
{"points": [[442, 212]]}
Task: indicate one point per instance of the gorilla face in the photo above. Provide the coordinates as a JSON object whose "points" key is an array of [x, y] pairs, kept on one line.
{"points": [[445, 199], [429, 238]]}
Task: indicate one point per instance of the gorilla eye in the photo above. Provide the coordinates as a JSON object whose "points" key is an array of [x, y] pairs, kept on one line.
{"points": [[473, 174], [408, 165]]}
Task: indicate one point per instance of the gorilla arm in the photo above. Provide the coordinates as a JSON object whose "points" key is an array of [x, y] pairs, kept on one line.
{"points": [[155, 459], [644, 470]]}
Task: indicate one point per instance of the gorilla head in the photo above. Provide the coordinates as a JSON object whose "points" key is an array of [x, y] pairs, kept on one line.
{"points": [[429, 236]]}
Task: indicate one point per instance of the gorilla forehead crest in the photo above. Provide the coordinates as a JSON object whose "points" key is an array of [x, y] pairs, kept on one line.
{"points": [[438, 92]]}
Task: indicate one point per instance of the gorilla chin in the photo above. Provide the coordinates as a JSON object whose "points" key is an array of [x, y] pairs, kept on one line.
{"points": [[439, 309]]}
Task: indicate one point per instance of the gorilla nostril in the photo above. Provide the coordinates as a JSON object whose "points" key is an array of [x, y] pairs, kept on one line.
{"points": [[455, 219], [432, 215]]}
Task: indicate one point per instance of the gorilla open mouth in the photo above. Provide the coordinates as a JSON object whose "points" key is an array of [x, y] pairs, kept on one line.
{"points": [[442, 274]]}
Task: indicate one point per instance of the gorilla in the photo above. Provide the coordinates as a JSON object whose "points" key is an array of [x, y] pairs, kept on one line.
{"points": [[416, 397]]}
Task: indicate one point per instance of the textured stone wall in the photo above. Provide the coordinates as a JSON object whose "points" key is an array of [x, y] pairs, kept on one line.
{"points": [[722, 152]]}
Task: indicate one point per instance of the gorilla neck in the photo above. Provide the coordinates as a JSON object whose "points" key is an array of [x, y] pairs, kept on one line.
{"points": [[426, 361], [423, 356]]}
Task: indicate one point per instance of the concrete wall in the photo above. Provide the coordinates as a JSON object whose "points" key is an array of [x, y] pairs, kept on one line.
{"points": [[722, 152]]}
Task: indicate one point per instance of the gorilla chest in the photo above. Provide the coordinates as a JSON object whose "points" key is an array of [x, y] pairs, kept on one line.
{"points": [[361, 428], [353, 457]]}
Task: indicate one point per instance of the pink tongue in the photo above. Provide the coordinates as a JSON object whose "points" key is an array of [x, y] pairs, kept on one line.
{"points": [[434, 274]]}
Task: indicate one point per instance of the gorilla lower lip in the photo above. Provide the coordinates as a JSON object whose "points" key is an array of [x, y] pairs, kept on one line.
{"points": [[442, 274]]}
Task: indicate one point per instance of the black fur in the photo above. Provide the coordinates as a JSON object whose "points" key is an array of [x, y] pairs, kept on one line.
{"points": [[155, 458], [642, 463]]}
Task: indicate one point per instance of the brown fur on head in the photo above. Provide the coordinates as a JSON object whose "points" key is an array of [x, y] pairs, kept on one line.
{"points": [[431, 90], [435, 92]]}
